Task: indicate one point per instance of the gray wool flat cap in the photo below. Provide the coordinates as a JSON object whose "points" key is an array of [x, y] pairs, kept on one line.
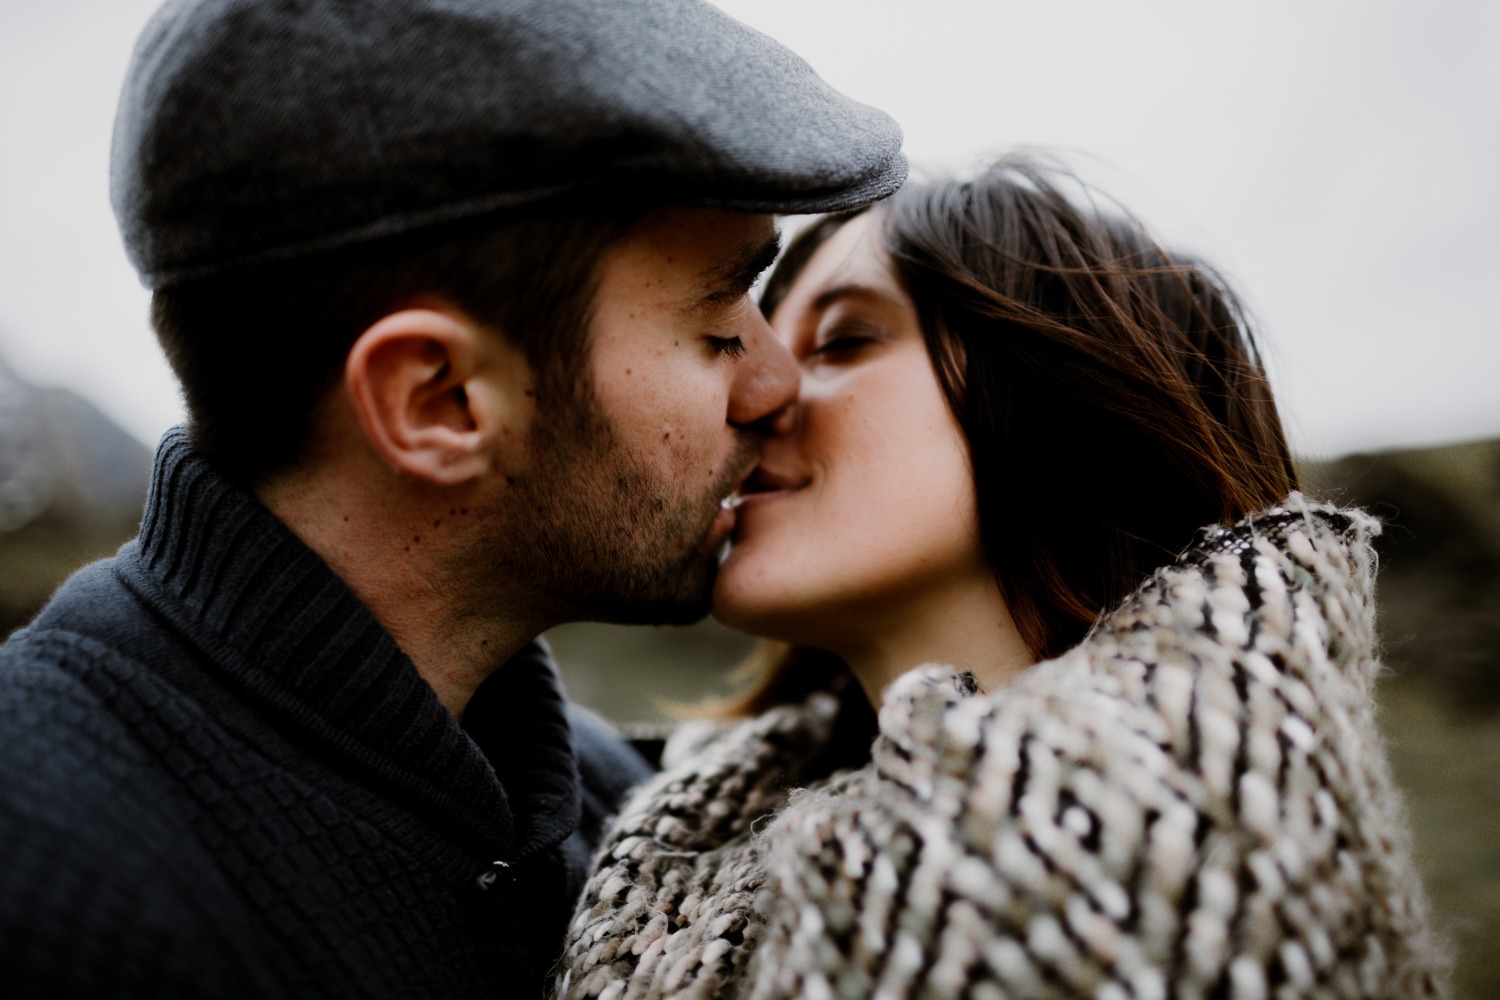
{"points": [[257, 130]]}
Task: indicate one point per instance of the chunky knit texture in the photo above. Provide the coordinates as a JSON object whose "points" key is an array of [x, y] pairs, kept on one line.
{"points": [[1194, 802], [219, 776]]}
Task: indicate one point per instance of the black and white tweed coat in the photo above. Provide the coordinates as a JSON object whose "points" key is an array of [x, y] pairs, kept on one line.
{"points": [[1194, 802]]}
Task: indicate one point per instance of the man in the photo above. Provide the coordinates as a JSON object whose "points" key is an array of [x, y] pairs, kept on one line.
{"points": [[457, 294]]}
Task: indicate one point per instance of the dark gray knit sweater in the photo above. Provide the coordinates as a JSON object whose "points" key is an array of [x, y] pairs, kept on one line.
{"points": [[219, 776]]}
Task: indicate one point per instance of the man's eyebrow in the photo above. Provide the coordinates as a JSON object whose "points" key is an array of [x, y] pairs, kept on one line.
{"points": [[732, 278]]}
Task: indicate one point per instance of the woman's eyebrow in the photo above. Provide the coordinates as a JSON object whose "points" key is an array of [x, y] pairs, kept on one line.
{"points": [[730, 279], [853, 290]]}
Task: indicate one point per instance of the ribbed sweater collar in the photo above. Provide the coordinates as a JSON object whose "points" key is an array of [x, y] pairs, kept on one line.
{"points": [[293, 639]]}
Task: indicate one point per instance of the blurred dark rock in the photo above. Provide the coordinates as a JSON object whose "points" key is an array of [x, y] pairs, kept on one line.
{"points": [[72, 485]]}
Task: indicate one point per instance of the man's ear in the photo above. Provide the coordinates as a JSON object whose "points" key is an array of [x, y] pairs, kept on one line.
{"points": [[414, 380]]}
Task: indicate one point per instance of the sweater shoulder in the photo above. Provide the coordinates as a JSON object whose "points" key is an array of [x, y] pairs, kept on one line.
{"points": [[76, 759], [103, 890], [55, 705]]}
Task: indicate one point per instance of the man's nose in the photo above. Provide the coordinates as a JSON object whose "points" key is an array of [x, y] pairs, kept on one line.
{"points": [[767, 378]]}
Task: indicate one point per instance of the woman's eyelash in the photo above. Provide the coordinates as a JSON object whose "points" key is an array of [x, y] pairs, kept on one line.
{"points": [[835, 344], [844, 333], [842, 340]]}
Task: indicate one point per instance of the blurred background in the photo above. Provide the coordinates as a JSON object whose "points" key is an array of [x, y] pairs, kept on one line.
{"points": [[1337, 159]]}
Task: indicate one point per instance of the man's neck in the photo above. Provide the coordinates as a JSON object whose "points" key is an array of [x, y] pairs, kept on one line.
{"points": [[390, 550]]}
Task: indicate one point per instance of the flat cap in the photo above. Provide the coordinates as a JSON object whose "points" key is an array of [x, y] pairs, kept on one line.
{"points": [[257, 130]]}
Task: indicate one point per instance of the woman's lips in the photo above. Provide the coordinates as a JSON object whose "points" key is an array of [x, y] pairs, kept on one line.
{"points": [[760, 484], [763, 479], [764, 485], [748, 500]]}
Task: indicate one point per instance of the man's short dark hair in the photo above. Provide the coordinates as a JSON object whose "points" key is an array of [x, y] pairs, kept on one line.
{"points": [[257, 349]]}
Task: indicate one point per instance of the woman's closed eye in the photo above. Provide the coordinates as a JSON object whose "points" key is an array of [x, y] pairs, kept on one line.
{"points": [[843, 341]]}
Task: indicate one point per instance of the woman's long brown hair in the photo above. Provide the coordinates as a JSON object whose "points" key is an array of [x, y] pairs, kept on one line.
{"points": [[1111, 392]]}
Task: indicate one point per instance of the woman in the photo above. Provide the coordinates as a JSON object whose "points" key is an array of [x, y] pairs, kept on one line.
{"points": [[1016, 410]]}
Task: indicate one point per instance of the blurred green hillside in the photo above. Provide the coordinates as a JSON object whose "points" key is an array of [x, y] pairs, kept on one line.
{"points": [[1439, 620]]}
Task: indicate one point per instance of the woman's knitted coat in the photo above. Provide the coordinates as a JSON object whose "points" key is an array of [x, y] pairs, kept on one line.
{"points": [[1193, 802]]}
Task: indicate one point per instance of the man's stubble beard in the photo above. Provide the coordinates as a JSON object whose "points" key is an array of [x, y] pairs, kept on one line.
{"points": [[602, 536]]}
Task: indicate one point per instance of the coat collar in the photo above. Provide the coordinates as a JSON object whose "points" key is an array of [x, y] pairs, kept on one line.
{"points": [[284, 631]]}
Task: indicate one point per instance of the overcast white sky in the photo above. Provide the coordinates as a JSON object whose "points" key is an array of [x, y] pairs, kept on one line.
{"points": [[1339, 158]]}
